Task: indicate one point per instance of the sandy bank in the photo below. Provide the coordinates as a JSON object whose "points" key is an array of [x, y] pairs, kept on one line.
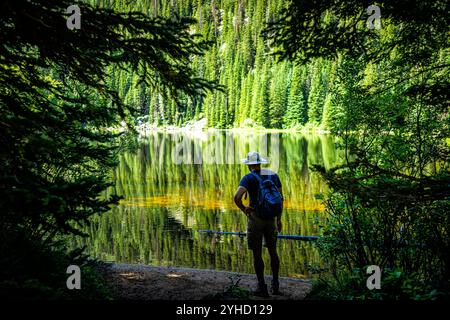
{"points": [[142, 282]]}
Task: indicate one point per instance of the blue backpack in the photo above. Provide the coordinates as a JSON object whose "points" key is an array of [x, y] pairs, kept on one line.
{"points": [[269, 203]]}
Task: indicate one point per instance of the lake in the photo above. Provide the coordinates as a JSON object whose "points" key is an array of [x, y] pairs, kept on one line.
{"points": [[175, 184]]}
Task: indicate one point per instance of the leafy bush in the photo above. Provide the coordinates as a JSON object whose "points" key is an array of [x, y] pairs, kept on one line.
{"points": [[37, 270], [395, 285], [410, 246]]}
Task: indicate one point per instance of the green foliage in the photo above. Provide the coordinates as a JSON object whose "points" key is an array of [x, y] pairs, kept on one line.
{"points": [[395, 285], [37, 270], [256, 86], [389, 106], [231, 292], [358, 234], [58, 110]]}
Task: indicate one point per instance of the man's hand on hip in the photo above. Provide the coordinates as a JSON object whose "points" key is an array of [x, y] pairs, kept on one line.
{"points": [[248, 211]]}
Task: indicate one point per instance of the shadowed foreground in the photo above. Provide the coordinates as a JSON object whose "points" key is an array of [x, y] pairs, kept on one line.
{"points": [[141, 282]]}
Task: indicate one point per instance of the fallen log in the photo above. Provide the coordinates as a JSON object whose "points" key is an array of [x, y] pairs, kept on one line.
{"points": [[243, 234]]}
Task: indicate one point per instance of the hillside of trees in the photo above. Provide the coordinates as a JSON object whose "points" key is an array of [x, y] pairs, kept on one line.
{"points": [[258, 90]]}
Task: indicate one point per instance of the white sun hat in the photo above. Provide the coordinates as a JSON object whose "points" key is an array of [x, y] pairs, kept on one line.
{"points": [[254, 158]]}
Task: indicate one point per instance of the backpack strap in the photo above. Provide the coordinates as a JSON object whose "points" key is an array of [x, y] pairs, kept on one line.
{"points": [[257, 177]]}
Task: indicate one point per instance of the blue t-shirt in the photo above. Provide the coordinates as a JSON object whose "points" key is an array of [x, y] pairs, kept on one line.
{"points": [[251, 183]]}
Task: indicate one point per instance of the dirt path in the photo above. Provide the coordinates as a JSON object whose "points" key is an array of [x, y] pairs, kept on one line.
{"points": [[142, 282]]}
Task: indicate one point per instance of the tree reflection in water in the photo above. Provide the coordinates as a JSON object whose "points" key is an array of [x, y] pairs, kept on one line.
{"points": [[165, 202]]}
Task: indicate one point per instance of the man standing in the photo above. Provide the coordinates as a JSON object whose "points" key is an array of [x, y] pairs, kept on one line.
{"points": [[261, 226]]}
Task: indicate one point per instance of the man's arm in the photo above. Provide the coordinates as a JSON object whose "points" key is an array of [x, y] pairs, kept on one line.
{"points": [[279, 225], [238, 200], [282, 197]]}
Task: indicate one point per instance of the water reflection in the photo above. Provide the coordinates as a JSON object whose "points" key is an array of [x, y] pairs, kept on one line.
{"points": [[167, 200]]}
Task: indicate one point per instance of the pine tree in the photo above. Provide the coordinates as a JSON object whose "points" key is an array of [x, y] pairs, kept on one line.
{"points": [[279, 95], [316, 95], [296, 113], [330, 114]]}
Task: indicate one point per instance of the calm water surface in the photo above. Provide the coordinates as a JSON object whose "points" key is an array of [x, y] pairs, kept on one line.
{"points": [[177, 183]]}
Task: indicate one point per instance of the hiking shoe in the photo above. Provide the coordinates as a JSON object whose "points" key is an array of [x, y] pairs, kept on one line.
{"points": [[261, 291], [276, 289]]}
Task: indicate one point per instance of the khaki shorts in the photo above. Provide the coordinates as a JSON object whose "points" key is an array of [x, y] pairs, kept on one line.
{"points": [[257, 229]]}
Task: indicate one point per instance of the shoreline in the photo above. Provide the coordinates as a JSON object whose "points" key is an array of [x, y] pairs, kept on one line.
{"points": [[145, 128], [145, 282], [145, 131]]}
